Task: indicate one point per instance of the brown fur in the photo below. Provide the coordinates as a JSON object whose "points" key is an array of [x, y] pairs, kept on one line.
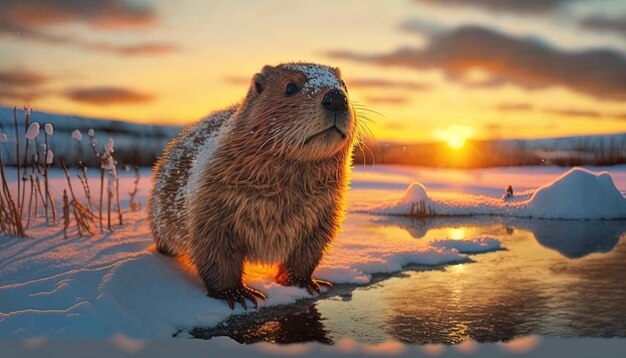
{"points": [[269, 193]]}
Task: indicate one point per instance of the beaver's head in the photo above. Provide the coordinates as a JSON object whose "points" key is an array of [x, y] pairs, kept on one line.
{"points": [[300, 111]]}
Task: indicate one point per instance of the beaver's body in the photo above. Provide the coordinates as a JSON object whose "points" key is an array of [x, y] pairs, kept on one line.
{"points": [[263, 181]]}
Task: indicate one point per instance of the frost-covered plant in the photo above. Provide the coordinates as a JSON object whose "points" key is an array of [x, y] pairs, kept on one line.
{"points": [[66, 214], [134, 203], [48, 160], [108, 168], [81, 214], [82, 176], [11, 222], [32, 131], [93, 142], [17, 157]]}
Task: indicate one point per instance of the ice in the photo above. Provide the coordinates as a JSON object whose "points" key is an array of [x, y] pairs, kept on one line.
{"points": [[477, 245]]}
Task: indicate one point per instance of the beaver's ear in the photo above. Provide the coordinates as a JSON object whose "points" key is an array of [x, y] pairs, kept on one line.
{"points": [[258, 83]]}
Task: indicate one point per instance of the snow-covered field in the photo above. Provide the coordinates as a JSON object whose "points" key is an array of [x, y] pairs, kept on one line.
{"points": [[116, 285]]}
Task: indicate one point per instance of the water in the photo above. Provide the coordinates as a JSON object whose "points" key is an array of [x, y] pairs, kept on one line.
{"points": [[555, 279]]}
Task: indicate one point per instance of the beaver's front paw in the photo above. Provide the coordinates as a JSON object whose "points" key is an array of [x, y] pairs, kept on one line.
{"points": [[312, 285], [239, 294]]}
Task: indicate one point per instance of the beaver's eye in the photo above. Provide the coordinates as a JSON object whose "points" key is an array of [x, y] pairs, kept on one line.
{"points": [[291, 89]]}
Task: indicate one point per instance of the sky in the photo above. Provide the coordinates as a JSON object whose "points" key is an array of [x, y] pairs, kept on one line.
{"points": [[428, 70]]}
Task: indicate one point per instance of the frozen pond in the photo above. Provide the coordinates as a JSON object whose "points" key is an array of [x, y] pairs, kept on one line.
{"points": [[555, 279]]}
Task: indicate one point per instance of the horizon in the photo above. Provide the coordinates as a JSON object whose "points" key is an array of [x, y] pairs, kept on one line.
{"points": [[423, 142], [436, 72]]}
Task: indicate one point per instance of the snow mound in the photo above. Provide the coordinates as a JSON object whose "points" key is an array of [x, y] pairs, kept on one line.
{"points": [[477, 245], [416, 192], [577, 194]]}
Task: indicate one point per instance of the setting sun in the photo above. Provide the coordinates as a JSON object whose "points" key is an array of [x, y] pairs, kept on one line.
{"points": [[454, 135]]}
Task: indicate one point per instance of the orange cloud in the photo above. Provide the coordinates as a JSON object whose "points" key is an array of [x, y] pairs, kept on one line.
{"points": [[101, 14], [526, 63], [21, 77], [103, 96], [513, 6], [395, 100], [31, 20], [380, 83]]}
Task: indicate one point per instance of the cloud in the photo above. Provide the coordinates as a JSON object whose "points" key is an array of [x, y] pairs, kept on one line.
{"points": [[512, 106], [524, 62], [354, 83], [21, 78], [386, 84], [139, 49], [104, 96], [32, 19], [603, 23], [21, 85], [100, 14], [237, 80], [499, 6], [394, 100], [585, 113], [146, 48], [18, 96]]}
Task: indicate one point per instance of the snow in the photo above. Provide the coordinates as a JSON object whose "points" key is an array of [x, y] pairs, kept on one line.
{"points": [[577, 194], [319, 77], [115, 284], [415, 192]]}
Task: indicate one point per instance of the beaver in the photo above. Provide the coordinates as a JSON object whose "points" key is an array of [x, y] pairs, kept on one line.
{"points": [[263, 180]]}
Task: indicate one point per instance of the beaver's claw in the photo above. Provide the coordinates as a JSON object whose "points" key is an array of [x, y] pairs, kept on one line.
{"points": [[239, 294], [312, 285]]}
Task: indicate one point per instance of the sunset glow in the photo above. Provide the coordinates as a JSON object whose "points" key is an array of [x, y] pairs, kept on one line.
{"points": [[171, 63], [454, 135]]}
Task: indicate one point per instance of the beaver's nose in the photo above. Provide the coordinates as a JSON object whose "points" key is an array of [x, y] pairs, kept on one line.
{"points": [[335, 101]]}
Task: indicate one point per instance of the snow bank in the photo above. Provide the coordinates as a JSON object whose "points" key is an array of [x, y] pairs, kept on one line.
{"points": [[576, 194]]}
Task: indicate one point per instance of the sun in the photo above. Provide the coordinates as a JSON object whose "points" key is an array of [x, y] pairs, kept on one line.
{"points": [[454, 135]]}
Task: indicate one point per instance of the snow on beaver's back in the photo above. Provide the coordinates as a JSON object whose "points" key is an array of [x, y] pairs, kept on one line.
{"points": [[263, 180]]}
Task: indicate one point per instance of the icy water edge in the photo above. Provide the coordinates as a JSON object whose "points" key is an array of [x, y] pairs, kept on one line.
{"points": [[555, 279]]}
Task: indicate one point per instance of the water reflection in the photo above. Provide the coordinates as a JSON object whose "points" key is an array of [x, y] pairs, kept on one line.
{"points": [[571, 238], [575, 239], [547, 283], [282, 325]]}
